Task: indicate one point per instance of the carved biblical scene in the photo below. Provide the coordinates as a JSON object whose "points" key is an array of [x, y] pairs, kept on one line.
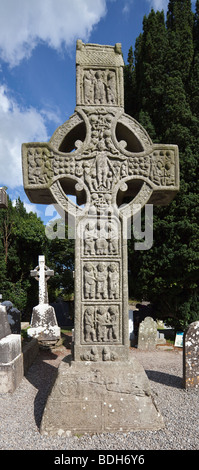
{"points": [[101, 280], [101, 324], [99, 87], [101, 237]]}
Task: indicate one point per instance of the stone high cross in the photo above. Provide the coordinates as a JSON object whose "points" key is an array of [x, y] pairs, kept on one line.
{"points": [[42, 273], [107, 160], [3, 199]]}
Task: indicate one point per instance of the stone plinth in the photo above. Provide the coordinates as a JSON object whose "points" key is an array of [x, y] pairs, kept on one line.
{"points": [[44, 324], [11, 358], [191, 356], [99, 397]]}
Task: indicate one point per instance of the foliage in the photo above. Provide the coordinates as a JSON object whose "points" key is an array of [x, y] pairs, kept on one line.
{"points": [[22, 239], [163, 82]]}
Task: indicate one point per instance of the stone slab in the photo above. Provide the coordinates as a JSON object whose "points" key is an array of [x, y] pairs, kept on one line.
{"points": [[4, 324], [11, 375], [191, 356], [147, 336], [14, 317], [10, 348], [104, 397]]}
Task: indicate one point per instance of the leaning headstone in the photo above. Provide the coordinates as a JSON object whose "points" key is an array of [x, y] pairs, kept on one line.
{"points": [[44, 325], [11, 358], [191, 356], [109, 162], [147, 336], [14, 317]]}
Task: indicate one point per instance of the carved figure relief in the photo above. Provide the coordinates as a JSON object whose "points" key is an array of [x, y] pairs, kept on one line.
{"points": [[101, 324], [113, 281], [105, 165], [101, 280], [101, 237], [99, 87], [89, 281], [89, 324]]}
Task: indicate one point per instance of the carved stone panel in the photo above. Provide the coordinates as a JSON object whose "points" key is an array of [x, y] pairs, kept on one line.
{"points": [[101, 280], [101, 323]]}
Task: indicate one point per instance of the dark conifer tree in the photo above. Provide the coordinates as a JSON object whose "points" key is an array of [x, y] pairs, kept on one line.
{"points": [[166, 86]]}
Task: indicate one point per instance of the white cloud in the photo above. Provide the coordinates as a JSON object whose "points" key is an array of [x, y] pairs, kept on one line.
{"points": [[159, 4], [127, 6], [29, 207], [17, 125], [23, 24]]}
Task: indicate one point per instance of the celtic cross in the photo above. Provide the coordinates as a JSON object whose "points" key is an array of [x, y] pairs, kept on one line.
{"points": [[42, 273], [108, 161]]}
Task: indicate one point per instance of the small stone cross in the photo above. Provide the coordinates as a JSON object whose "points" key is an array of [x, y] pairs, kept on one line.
{"points": [[107, 160], [42, 273]]}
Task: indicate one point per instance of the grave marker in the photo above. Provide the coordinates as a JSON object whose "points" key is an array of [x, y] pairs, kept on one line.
{"points": [[147, 336], [109, 162], [191, 356], [44, 325], [11, 358]]}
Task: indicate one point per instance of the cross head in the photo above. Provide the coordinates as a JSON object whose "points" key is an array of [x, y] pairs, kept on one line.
{"points": [[108, 161], [42, 273]]}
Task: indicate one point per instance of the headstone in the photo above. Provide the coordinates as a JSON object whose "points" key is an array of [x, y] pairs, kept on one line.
{"points": [[147, 337], [109, 162], [191, 357], [11, 358], [14, 317], [44, 325]]}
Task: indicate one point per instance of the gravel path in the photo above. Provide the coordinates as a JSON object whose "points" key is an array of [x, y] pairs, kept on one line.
{"points": [[20, 413]]}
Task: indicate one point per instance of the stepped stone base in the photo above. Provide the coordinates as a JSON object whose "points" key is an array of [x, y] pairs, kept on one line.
{"points": [[100, 397], [11, 365], [44, 325]]}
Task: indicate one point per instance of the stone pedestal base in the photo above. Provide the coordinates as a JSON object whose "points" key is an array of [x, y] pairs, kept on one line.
{"points": [[44, 324], [100, 397], [11, 365]]}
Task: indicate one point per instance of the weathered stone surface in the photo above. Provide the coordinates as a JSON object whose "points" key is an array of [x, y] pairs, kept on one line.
{"points": [[4, 324], [147, 336], [11, 363], [44, 323], [14, 317], [3, 199], [109, 162], [191, 356], [100, 397], [10, 347]]}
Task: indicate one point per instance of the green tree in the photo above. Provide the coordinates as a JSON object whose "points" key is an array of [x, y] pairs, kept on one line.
{"points": [[168, 274], [22, 239]]}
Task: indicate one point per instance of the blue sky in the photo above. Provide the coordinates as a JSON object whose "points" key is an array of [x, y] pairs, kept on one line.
{"points": [[37, 67]]}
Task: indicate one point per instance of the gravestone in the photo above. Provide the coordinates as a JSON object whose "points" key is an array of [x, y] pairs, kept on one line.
{"points": [[11, 358], [147, 336], [44, 325], [14, 317], [191, 356], [109, 162]]}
